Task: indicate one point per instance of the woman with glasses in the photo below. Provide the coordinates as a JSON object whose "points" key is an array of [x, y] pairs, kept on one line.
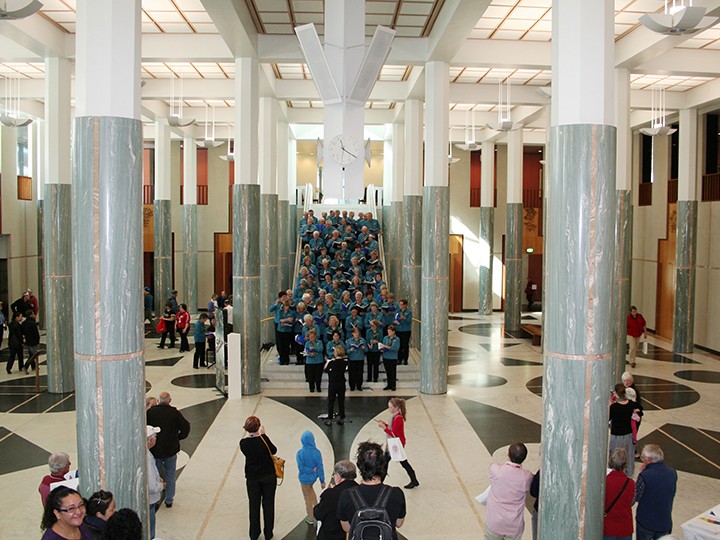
{"points": [[63, 516], [100, 506]]}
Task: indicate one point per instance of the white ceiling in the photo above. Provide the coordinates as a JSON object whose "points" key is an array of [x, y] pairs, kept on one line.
{"points": [[484, 41]]}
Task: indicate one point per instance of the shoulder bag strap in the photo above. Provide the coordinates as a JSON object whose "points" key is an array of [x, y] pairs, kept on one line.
{"points": [[607, 510], [266, 445]]}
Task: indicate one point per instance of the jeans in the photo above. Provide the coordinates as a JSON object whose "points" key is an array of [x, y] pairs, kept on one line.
{"points": [[151, 515], [166, 468], [641, 533], [32, 350]]}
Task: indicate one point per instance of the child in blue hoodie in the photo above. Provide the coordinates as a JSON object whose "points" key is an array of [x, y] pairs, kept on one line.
{"points": [[310, 468]]}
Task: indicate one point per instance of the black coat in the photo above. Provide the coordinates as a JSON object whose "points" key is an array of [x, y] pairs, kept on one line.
{"points": [[173, 428], [15, 335], [31, 332], [326, 511]]}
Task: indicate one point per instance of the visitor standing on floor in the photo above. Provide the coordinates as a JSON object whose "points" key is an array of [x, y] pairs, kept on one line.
{"points": [[396, 428], [335, 368], [183, 327], [32, 338], [168, 318], [310, 469], [15, 342], [636, 328], [389, 347], [260, 478], [326, 510], [155, 483], [173, 428], [621, 435], [148, 305], [619, 492], [654, 493], [509, 484], [200, 338], [372, 492]]}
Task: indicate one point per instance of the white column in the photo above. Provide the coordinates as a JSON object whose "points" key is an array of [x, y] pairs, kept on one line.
{"points": [[487, 175], [413, 147], [436, 119], [388, 159], [162, 161], [282, 150], [623, 178], [267, 165], [398, 161], [246, 121], [515, 166], [687, 155], [189, 170]]}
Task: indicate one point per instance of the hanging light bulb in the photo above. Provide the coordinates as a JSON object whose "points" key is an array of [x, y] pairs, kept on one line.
{"points": [[657, 120], [209, 141], [679, 17], [230, 156], [470, 144], [504, 107], [176, 108], [12, 117]]}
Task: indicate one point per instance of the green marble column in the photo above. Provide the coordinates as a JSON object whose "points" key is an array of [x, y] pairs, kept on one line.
{"points": [[246, 282], [621, 278], [435, 289], [685, 259], [487, 240], [190, 262], [578, 330], [41, 262], [412, 259], [108, 329], [292, 237], [162, 254], [268, 262], [513, 266], [284, 281], [394, 250], [59, 287]]}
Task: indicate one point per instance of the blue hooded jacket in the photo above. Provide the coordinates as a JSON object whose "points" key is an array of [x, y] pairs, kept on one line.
{"points": [[309, 461]]}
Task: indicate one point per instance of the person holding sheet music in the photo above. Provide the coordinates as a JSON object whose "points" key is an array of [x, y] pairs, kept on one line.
{"points": [[389, 348], [403, 325], [356, 348]]}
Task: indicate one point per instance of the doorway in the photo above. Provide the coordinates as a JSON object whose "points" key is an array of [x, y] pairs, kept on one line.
{"points": [[456, 272]]}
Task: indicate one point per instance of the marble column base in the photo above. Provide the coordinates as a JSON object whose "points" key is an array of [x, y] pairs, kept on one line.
{"points": [[487, 239], [246, 282], [108, 329], [685, 260], [578, 330], [621, 279], [513, 266], [412, 259], [162, 270], [190, 259], [435, 291], [59, 288], [268, 263]]}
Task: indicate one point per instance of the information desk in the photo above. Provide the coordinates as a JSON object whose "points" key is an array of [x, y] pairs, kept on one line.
{"points": [[706, 526]]}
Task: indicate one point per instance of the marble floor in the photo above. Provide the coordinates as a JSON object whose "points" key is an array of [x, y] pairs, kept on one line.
{"points": [[493, 400]]}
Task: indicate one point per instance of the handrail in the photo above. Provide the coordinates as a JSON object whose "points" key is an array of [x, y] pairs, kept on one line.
{"points": [[370, 201], [307, 205]]}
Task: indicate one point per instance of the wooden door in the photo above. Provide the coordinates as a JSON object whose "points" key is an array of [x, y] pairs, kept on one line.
{"points": [[456, 272], [223, 262], [665, 303]]}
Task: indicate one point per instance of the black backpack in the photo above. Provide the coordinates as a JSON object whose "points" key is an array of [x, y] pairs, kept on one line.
{"points": [[371, 522]]}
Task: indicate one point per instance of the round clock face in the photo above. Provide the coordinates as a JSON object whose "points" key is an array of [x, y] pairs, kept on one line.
{"points": [[344, 149]]}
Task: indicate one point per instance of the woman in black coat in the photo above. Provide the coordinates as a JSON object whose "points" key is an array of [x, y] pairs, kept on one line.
{"points": [[259, 477]]}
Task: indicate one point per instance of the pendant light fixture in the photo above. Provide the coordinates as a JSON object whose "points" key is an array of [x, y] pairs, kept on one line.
{"points": [[504, 107], [657, 120], [230, 156], [176, 108], [209, 140], [11, 116], [470, 144]]}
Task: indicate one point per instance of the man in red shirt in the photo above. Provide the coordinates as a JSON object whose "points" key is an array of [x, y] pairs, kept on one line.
{"points": [[183, 326], [59, 464], [635, 329]]}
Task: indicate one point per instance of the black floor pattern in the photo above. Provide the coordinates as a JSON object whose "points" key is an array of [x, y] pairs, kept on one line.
{"points": [[687, 449], [168, 362], [661, 355], [476, 380], [655, 393], [360, 410], [200, 380], [25, 455], [712, 377], [507, 427]]}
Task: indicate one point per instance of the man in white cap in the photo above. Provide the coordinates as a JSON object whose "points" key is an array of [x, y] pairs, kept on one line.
{"points": [[155, 483]]}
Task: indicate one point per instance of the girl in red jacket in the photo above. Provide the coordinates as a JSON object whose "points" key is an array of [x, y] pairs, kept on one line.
{"points": [[396, 428]]}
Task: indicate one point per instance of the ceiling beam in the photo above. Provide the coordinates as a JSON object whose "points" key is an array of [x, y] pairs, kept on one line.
{"points": [[39, 36], [234, 22], [687, 62], [502, 53], [453, 25], [185, 48]]}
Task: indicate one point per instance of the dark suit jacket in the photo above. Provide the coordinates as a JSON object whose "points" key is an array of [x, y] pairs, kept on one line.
{"points": [[326, 511]]}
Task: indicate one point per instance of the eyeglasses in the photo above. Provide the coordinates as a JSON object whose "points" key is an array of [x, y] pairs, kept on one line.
{"points": [[72, 509]]}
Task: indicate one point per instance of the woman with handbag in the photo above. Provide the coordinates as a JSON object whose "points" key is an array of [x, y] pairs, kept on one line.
{"points": [[619, 492], [396, 428], [260, 477]]}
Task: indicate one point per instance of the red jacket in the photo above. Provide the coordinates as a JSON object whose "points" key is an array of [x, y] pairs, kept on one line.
{"points": [[635, 325], [619, 521], [397, 428], [183, 319]]}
